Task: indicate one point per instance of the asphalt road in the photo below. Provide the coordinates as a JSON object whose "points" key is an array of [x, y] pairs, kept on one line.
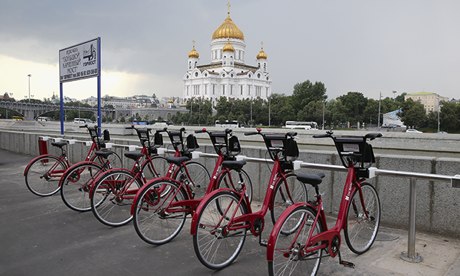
{"points": [[41, 236]]}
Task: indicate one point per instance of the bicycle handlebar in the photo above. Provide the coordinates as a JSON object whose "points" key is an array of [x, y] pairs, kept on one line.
{"points": [[372, 136]]}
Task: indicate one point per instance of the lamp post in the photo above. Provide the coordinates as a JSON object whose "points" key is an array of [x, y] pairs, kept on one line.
{"points": [[269, 117], [251, 113], [378, 119], [29, 75], [439, 116], [324, 107]]}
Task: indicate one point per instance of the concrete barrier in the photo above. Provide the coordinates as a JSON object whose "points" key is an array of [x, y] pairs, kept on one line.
{"points": [[437, 201]]}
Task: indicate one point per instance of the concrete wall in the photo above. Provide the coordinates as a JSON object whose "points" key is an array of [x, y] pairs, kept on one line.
{"points": [[437, 202]]}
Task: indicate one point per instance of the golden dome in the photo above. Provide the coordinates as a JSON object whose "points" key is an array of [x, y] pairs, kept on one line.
{"points": [[193, 53], [228, 47], [228, 29], [261, 54]]}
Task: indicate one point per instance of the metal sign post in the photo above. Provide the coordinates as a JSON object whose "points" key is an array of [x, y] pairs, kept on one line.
{"points": [[77, 62]]}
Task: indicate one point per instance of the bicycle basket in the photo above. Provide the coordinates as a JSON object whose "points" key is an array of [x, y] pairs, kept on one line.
{"points": [[219, 141], [355, 150], [234, 147], [291, 150], [192, 142], [106, 135], [158, 139]]}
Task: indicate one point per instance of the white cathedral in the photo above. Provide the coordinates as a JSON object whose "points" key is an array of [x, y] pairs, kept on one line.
{"points": [[227, 75]]}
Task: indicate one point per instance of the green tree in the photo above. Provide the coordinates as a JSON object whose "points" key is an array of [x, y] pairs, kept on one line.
{"points": [[354, 104], [413, 113], [307, 92], [450, 117]]}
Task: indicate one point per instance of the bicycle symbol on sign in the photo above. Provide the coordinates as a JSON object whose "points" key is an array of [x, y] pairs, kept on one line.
{"points": [[90, 54]]}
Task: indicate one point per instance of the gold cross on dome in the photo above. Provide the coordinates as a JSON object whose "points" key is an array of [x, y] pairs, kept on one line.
{"points": [[228, 6]]}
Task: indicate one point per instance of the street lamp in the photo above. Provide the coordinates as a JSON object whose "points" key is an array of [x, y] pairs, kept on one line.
{"points": [[439, 117], [251, 113], [324, 107], [29, 75], [378, 119]]}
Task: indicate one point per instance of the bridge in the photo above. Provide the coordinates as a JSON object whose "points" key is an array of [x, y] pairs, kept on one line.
{"points": [[31, 111]]}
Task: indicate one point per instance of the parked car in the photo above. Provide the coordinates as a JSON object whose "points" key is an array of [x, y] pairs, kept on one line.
{"points": [[413, 130]]}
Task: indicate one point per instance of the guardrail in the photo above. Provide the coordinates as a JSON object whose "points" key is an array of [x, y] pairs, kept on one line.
{"points": [[411, 255]]}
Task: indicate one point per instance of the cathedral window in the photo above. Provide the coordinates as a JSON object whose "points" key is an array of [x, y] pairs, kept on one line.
{"points": [[196, 74], [258, 76]]}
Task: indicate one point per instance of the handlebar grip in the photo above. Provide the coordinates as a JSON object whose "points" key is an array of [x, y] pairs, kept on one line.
{"points": [[227, 131], [251, 133], [292, 134], [83, 126], [372, 136], [321, 136], [203, 130]]}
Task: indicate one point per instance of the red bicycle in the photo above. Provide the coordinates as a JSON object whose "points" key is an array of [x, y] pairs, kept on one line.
{"points": [[159, 217], [301, 236], [77, 181], [43, 172], [114, 191], [224, 216]]}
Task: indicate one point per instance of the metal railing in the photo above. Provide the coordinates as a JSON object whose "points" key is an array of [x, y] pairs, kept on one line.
{"points": [[411, 255]]}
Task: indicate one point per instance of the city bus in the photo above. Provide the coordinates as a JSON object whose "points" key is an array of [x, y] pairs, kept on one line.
{"points": [[301, 125], [228, 124]]}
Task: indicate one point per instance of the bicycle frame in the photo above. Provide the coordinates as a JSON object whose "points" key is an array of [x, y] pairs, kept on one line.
{"points": [[62, 159], [192, 203], [324, 239], [239, 222]]}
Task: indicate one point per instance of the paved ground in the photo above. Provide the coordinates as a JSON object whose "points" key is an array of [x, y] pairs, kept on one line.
{"points": [[41, 236]]}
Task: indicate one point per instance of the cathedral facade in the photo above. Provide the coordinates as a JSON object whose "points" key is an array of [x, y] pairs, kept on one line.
{"points": [[227, 75]]}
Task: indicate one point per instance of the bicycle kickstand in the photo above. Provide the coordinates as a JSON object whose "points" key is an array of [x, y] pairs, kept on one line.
{"points": [[345, 263]]}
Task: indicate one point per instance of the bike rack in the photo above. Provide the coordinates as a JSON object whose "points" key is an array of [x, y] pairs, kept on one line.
{"points": [[411, 255]]}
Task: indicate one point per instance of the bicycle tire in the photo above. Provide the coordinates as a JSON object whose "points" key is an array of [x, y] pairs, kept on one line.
{"points": [[112, 196], [114, 159], [152, 222], [38, 179], [232, 183], [76, 184], [155, 168], [196, 176], [285, 254], [297, 192], [211, 238], [360, 232]]}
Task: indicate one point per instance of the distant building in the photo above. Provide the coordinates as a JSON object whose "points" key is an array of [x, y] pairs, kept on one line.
{"points": [[429, 100], [392, 120], [227, 75]]}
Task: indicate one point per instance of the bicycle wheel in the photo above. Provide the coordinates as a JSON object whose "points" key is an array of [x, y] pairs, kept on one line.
{"points": [[42, 177], [112, 196], [196, 176], [362, 226], [231, 180], [76, 184], [158, 167], [217, 246], [287, 192], [114, 161], [288, 255], [154, 220]]}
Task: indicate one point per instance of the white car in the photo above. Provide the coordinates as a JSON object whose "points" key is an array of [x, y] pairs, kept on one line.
{"points": [[413, 130]]}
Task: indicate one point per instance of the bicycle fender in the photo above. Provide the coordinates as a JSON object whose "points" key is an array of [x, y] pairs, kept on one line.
{"points": [[200, 207], [34, 159], [277, 227], [147, 186], [64, 175]]}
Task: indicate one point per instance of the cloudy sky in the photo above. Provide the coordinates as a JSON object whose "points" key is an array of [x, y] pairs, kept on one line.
{"points": [[370, 46]]}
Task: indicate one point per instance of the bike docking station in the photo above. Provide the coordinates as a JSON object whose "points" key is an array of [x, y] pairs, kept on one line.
{"points": [[410, 255]]}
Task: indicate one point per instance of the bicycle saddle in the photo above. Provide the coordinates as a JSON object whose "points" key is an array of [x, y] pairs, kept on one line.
{"points": [[312, 179]]}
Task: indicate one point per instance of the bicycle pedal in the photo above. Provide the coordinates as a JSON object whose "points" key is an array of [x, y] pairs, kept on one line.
{"points": [[263, 242], [347, 264]]}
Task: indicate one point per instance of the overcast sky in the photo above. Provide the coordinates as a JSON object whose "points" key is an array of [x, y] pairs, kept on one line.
{"points": [[368, 46]]}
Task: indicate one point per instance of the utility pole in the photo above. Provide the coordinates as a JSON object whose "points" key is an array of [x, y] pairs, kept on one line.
{"points": [[378, 119]]}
